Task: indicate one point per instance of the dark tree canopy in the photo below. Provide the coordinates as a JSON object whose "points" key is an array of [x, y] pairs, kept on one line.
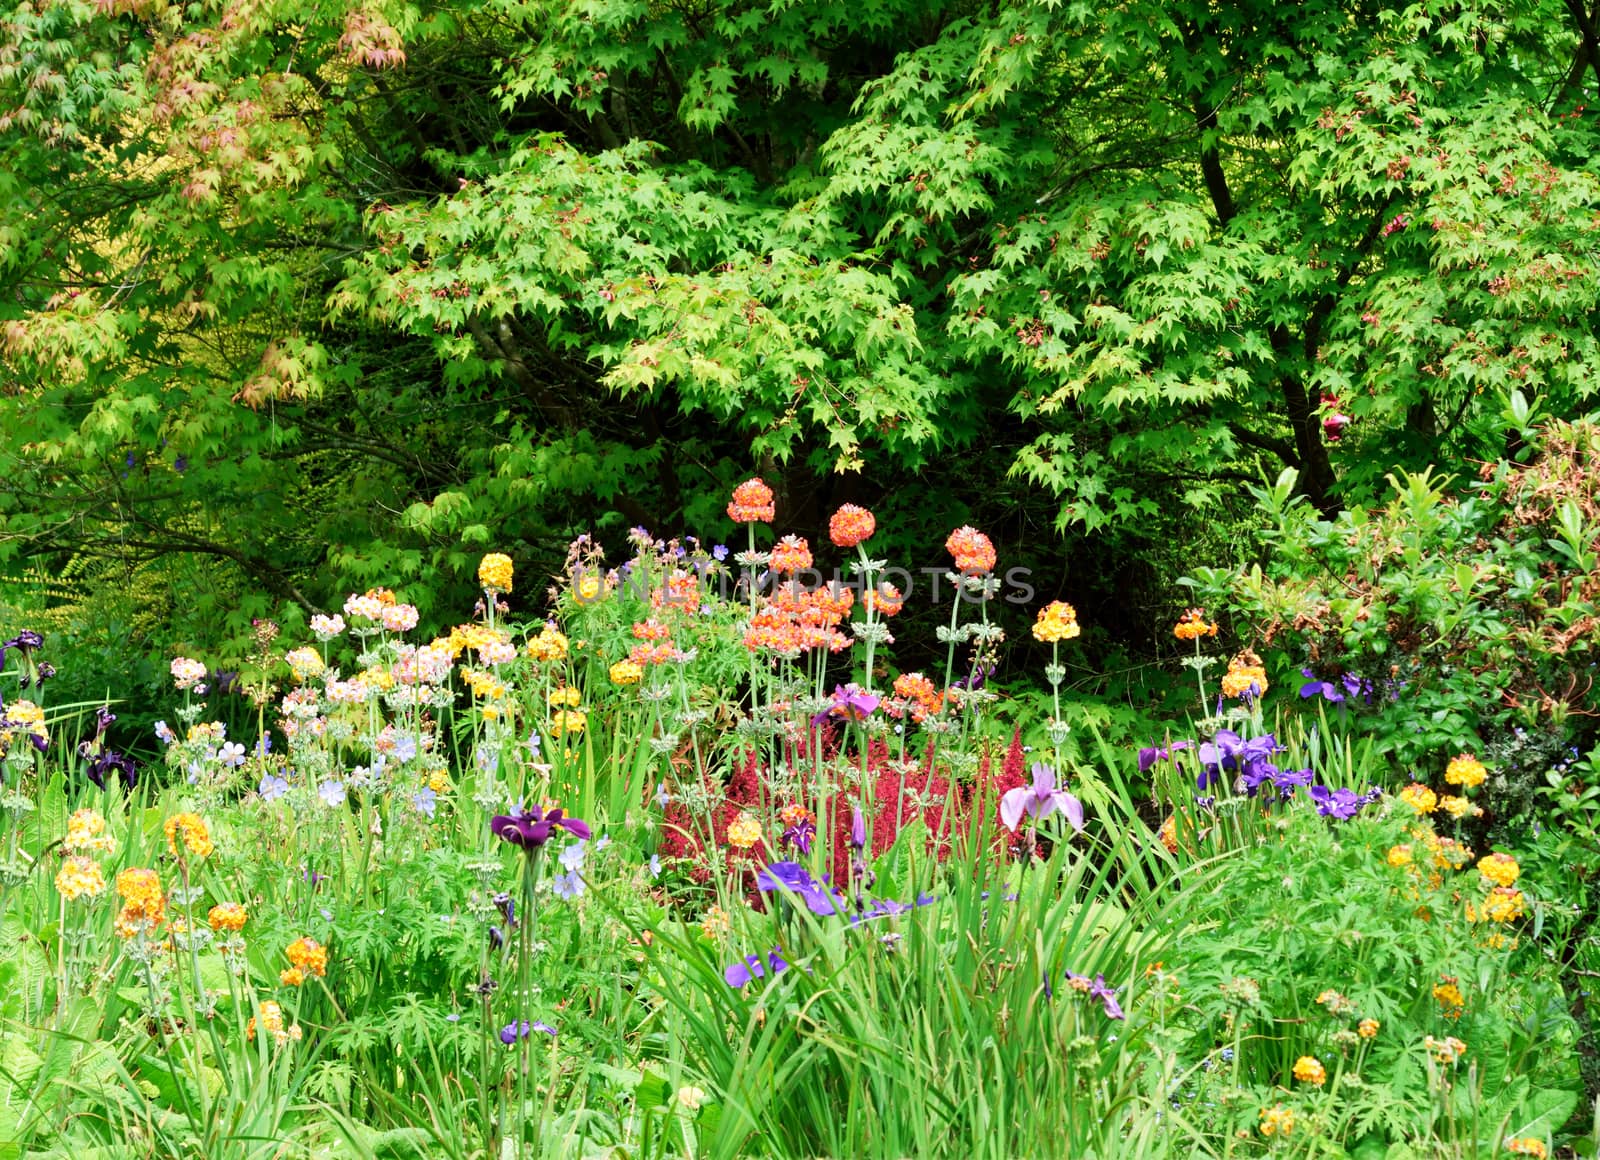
{"points": [[341, 294]]}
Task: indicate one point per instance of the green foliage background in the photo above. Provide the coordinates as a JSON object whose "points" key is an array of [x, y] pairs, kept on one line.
{"points": [[299, 298]]}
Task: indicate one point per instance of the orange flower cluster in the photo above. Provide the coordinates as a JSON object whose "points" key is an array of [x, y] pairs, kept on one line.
{"points": [[191, 830], [795, 619], [795, 813], [752, 503], [790, 555], [227, 916], [885, 599], [851, 525], [1192, 625], [309, 956], [655, 647], [681, 592], [144, 906], [972, 550], [1245, 675], [923, 698]]}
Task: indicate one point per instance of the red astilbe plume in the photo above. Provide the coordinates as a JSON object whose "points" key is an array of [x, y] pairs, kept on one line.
{"points": [[683, 835], [1013, 774], [897, 806]]}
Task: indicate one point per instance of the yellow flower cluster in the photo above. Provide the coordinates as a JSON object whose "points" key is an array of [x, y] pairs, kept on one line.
{"points": [[626, 672], [1057, 622], [1368, 1028], [1500, 869], [494, 573], [305, 663], [80, 878], [1448, 854], [1245, 675], [1527, 1146], [1420, 798], [381, 680], [744, 831], [25, 717], [483, 684], [567, 721], [1504, 904], [566, 695], [1400, 855], [1277, 1120], [465, 636], [227, 916], [1466, 771], [1459, 807], [191, 830], [1450, 998], [550, 645], [1447, 1050], [86, 833], [1309, 1069]]}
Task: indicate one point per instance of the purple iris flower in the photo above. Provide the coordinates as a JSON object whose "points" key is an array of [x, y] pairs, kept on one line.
{"points": [[1255, 774], [1285, 780], [976, 679], [800, 835], [1149, 757], [1340, 804], [858, 830], [1316, 686], [1096, 988], [521, 1029], [850, 703], [751, 967], [1228, 752], [110, 761], [1107, 996], [530, 829], [889, 907], [794, 878], [1039, 801]]}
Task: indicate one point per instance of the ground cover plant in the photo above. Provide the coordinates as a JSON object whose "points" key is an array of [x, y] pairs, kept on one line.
{"points": [[666, 856]]}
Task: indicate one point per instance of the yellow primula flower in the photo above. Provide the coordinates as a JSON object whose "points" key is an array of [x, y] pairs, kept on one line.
{"points": [[1466, 771], [80, 878], [1420, 798]]}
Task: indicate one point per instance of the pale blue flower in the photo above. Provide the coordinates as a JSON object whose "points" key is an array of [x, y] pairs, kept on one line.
{"points": [[231, 754], [568, 885], [272, 787], [332, 793], [655, 865], [425, 801], [572, 857], [164, 733]]}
